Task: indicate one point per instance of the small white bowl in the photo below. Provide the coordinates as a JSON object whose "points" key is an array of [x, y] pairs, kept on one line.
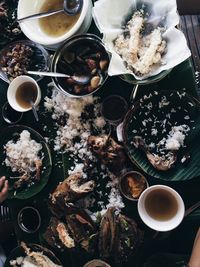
{"points": [[159, 225], [12, 89], [31, 28]]}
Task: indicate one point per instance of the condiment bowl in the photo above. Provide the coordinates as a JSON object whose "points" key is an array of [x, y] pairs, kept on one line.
{"points": [[83, 55], [96, 263], [138, 182], [32, 28]]}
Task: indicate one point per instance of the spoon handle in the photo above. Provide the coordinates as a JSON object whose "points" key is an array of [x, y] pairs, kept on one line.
{"points": [[50, 74], [192, 208], [41, 15], [34, 111]]}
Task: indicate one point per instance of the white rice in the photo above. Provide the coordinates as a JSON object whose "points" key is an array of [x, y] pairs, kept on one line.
{"points": [[22, 155]]}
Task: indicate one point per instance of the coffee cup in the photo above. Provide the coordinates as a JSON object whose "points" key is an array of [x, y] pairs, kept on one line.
{"points": [[29, 219], [161, 208], [22, 91]]}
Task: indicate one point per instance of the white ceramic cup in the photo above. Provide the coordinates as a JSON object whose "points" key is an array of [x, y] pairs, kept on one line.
{"points": [[159, 225], [12, 89]]}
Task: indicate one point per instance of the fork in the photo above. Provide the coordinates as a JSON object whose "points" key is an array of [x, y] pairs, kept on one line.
{"points": [[5, 214]]}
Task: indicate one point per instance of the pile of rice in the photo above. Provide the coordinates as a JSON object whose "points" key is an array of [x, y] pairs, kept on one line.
{"points": [[82, 118], [22, 155]]}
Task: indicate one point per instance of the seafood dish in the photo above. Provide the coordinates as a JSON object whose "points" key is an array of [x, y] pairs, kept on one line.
{"points": [[85, 58], [9, 28], [21, 56], [140, 52], [33, 258], [75, 230], [164, 124], [119, 236], [69, 191], [23, 156], [110, 153]]}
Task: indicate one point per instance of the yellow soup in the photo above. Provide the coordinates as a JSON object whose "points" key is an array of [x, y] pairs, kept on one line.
{"points": [[56, 25]]}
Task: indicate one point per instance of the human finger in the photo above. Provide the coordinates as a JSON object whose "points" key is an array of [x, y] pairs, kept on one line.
{"points": [[4, 192], [2, 180]]}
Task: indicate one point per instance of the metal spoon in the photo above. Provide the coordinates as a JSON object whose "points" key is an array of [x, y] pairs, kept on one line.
{"points": [[70, 7], [34, 111], [80, 79], [41, 15]]}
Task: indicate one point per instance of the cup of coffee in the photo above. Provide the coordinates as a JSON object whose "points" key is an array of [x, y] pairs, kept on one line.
{"points": [[22, 91], [29, 219], [161, 208]]}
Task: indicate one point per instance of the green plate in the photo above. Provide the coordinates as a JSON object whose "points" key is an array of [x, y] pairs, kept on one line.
{"points": [[139, 122], [12, 132], [19, 251]]}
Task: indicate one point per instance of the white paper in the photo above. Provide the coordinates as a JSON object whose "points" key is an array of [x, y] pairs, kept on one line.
{"points": [[109, 15]]}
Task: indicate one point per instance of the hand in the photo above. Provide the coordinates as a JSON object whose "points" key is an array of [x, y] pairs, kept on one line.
{"points": [[3, 188]]}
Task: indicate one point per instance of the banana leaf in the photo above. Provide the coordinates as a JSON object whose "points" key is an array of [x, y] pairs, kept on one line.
{"points": [[25, 192], [140, 119]]}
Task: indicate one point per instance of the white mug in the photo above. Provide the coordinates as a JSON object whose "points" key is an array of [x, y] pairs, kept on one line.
{"points": [[165, 224], [12, 90]]}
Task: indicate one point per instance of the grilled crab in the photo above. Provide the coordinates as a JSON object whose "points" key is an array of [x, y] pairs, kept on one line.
{"points": [[70, 190], [57, 235], [109, 151], [119, 236], [83, 230], [77, 229]]}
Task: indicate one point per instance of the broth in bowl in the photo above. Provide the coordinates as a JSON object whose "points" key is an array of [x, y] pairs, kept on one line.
{"points": [[58, 24]]}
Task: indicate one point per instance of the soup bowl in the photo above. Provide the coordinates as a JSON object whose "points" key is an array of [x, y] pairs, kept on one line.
{"points": [[33, 30], [161, 208]]}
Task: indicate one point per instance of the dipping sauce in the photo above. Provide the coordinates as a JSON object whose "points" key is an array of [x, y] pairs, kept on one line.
{"points": [[26, 93], [114, 108], [161, 205], [10, 115], [29, 219], [58, 24]]}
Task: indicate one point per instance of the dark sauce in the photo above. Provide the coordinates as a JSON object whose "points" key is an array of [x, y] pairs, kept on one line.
{"points": [[114, 108], [26, 93], [10, 115], [161, 205], [30, 219]]}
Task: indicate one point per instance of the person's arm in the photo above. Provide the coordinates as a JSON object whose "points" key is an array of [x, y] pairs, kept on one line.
{"points": [[3, 189], [195, 256]]}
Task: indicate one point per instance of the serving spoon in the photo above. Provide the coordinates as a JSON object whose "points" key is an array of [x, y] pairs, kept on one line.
{"points": [[80, 79], [34, 111], [70, 7]]}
